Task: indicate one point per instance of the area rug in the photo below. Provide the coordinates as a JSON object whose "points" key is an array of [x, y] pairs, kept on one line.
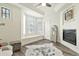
{"points": [[43, 50]]}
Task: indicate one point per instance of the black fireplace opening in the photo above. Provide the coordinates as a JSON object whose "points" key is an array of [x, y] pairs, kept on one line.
{"points": [[69, 36]]}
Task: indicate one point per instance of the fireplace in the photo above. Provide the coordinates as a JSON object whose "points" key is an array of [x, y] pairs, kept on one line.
{"points": [[70, 36]]}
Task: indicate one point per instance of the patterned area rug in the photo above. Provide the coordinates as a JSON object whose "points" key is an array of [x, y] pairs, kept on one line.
{"points": [[43, 50]]}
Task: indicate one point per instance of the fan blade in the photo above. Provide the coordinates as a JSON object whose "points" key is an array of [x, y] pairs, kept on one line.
{"points": [[47, 4]]}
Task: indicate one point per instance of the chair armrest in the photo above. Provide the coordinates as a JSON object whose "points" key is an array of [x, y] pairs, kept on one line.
{"points": [[8, 47]]}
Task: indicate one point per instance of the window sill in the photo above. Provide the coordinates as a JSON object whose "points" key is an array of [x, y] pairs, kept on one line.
{"points": [[31, 36]]}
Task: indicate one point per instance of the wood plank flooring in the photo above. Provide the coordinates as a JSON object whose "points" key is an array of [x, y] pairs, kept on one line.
{"points": [[66, 51]]}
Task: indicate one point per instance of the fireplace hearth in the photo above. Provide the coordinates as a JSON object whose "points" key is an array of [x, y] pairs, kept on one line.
{"points": [[69, 36]]}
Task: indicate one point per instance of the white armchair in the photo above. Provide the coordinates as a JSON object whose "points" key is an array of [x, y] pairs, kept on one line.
{"points": [[6, 50]]}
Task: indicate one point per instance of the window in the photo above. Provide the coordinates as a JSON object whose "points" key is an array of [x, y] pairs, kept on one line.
{"points": [[32, 25], [5, 13]]}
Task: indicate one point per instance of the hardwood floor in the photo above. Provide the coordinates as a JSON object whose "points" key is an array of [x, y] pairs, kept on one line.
{"points": [[66, 51]]}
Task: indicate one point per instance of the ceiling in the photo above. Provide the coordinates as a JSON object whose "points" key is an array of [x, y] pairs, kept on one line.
{"points": [[43, 9]]}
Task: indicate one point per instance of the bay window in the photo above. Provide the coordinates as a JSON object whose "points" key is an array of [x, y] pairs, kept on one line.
{"points": [[32, 25]]}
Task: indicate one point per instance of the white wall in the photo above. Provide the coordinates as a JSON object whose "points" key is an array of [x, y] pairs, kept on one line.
{"points": [[51, 18], [73, 24], [12, 29]]}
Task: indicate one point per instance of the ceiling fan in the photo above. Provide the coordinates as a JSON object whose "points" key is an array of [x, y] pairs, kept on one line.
{"points": [[44, 4]]}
